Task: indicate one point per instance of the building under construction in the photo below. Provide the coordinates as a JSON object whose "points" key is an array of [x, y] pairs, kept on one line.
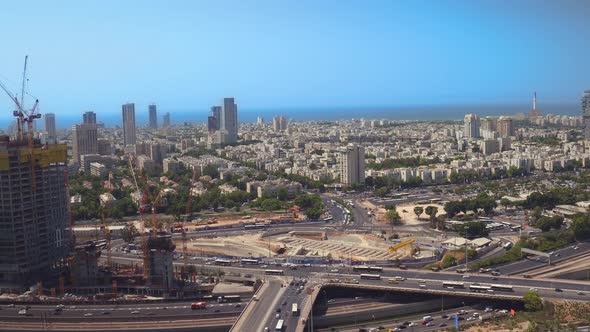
{"points": [[34, 222]]}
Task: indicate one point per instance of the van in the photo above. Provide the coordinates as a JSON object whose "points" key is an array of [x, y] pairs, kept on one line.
{"points": [[427, 318]]}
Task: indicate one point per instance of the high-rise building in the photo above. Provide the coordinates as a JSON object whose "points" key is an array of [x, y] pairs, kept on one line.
{"points": [[259, 120], [279, 123], [586, 114], [128, 124], [352, 165], [222, 124], [505, 127], [471, 127], [50, 127], [229, 121], [153, 117], [84, 140], [89, 118], [33, 212], [166, 120]]}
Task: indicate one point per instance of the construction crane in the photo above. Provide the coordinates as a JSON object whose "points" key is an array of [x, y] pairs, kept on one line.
{"points": [[188, 211], [144, 240]]}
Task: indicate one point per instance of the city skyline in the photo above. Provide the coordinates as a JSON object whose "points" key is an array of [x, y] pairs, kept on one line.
{"points": [[380, 63]]}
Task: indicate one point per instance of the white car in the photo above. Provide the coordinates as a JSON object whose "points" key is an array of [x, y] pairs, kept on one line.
{"points": [[334, 271], [22, 312], [534, 290], [412, 324], [465, 277], [135, 312], [88, 314]]}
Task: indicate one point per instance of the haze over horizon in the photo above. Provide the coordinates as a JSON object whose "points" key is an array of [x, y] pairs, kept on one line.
{"points": [[294, 55]]}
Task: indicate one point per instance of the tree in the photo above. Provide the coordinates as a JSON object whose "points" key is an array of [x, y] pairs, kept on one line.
{"points": [[271, 204], [454, 207], [418, 210], [393, 218], [381, 192], [532, 301], [313, 213], [128, 233], [473, 230], [432, 211], [505, 203], [581, 226]]}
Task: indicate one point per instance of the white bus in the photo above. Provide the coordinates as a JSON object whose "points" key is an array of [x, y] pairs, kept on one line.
{"points": [[371, 276], [505, 288], [249, 261], [478, 288], [294, 309], [273, 272], [280, 325], [224, 262], [454, 284]]}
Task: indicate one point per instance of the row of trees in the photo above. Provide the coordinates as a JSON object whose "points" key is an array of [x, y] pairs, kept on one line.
{"points": [[482, 202], [403, 162]]}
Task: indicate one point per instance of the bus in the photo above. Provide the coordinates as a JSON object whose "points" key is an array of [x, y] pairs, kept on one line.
{"points": [[273, 272], [478, 288], [515, 228], [375, 268], [294, 309], [454, 284], [371, 276], [250, 261], [280, 325], [360, 268], [505, 288], [223, 262], [229, 298], [198, 305]]}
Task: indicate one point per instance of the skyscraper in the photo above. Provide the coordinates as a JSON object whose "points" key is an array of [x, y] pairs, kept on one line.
{"points": [[84, 140], [586, 114], [153, 117], [89, 118], [471, 127], [505, 127], [33, 212], [50, 127], [279, 123], [128, 124], [352, 164], [166, 120], [222, 124], [229, 121]]}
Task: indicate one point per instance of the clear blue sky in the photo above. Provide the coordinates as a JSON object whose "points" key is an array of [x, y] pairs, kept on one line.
{"points": [[187, 55]]}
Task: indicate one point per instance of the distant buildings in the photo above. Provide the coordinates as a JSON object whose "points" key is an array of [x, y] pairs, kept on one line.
{"points": [[50, 127], [129, 124], [153, 124], [166, 120], [89, 118], [259, 120], [33, 212], [505, 128], [586, 114], [352, 165], [84, 140], [471, 126], [279, 123], [222, 124]]}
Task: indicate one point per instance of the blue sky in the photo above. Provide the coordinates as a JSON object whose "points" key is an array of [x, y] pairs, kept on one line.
{"points": [[187, 55]]}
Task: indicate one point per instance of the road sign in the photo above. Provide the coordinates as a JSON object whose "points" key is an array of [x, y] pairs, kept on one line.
{"points": [[535, 252]]}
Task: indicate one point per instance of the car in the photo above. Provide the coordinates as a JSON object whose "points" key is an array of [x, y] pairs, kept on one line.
{"points": [[488, 309], [396, 329], [429, 324], [576, 248], [412, 324], [22, 312], [237, 305], [442, 325], [495, 273], [470, 319], [11, 305], [558, 290], [151, 313], [61, 306], [476, 314], [444, 316], [292, 283], [528, 276], [533, 289], [277, 316], [465, 276], [105, 313], [88, 314], [460, 318], [285, 302], [278, 309], [503, 311], [422, 281], [216, 310], [266, 329], [581, 293], [135, 312], [334, 271]]}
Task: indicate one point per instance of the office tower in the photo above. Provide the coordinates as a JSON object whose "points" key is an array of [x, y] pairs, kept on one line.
{"points": [[50, 127], [471, 126], [505, 127], [259, 120], [214, 134], [586, 114], [128, 124], [153, 117], [279, 123], [89, 118], [352, 165], [84, 140], [229, 121], [166, 120], [33, 212]]}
